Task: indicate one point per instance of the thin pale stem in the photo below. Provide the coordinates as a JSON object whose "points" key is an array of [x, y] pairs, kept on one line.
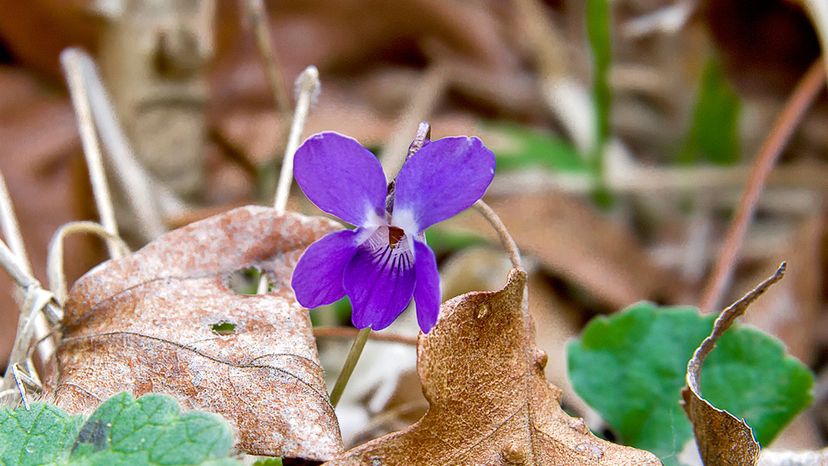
{"points": [[145, 195], [73, 69], [258, 16], [11, 231], [12, 264], [11, 228], [307, 86], [263, 285], [54, 261], [21, 379], [36, 300], [24, 280], [350, 364], [800, 100], [505, 238]]}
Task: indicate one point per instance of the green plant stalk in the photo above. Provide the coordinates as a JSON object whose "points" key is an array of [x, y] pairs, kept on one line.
{"points": [[349, 365], [598, 31]]}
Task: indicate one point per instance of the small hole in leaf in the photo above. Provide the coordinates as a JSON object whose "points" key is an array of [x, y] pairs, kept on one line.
{"points": [[246, 281], [223, 328]]}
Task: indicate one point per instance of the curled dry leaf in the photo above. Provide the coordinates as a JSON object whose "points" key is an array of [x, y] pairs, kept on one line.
{"points": [[489, 400], [146, 323], [721, 437]]}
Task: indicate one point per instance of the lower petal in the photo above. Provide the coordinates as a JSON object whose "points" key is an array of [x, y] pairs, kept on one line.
{"points": [[427, 290], [379, 280], [317, 278]]}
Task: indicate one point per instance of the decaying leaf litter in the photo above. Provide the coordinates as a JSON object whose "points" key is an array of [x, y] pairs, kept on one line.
{"points": [[491, 403], [653, 220], [155, 311]]}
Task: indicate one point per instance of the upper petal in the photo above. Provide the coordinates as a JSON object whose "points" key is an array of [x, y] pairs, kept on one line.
{"points": [[341, 177], [444, 178], [427, 289], [379, 280], [317, 277]]}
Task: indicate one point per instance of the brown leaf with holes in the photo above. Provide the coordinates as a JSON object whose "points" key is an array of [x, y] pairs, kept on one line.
{"points": [[144, 323], [489, 400], [721, 437]]}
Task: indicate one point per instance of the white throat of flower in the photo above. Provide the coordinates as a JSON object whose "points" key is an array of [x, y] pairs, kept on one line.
{"points": [[379, 234], [404, 218]]}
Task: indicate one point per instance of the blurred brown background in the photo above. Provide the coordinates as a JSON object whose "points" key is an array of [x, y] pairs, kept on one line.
{"points": [[188, 82]]}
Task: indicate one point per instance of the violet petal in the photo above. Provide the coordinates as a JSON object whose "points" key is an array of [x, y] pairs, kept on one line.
{"points": [[379, 280], [444, 178], [342, 178], [317, 277], [427, 289]]}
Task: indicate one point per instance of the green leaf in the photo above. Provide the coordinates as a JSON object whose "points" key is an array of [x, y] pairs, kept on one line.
{"points": [[518, 147], [41, 435], [443, 241], [714, 131], [268, 462], [148, 431], [631, 367], [151, 430]]}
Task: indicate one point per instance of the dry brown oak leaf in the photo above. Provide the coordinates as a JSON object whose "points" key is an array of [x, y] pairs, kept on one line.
{"points": [[143, 323], [490, 403]]}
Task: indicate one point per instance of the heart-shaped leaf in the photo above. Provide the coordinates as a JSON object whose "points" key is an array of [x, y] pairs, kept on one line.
{"points": [[149, 431], [41, 435], [631, 368]]}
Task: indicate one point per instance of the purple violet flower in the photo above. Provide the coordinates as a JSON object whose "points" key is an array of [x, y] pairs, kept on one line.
{"points": [[385, 261]]}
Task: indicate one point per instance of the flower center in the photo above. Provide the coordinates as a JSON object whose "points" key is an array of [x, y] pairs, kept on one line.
{"points": [[395, 234], [389, 247]]}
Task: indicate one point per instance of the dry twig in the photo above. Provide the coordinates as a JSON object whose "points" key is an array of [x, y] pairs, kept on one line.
{"points": [[54, 262], [11, 231], [307, 87], [258, 16], [796, 106], [71, 60]]}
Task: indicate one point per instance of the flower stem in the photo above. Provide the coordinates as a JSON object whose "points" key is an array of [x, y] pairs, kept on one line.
{"points": [[350, 364], [505, 238]]}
